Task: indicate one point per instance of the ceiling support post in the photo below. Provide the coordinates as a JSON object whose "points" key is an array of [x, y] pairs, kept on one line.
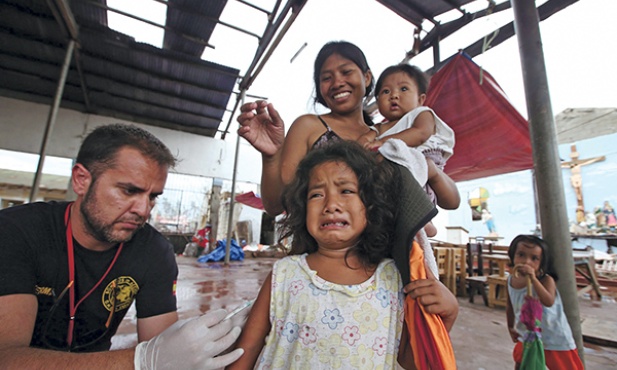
{"points": [[547, 169], [232, 200], [51, 119]]}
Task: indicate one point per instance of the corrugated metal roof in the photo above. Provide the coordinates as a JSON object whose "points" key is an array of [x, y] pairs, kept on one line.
{"points": [[171, 87], [427, 15], [575, 124], [417, 11], [192, 18]]}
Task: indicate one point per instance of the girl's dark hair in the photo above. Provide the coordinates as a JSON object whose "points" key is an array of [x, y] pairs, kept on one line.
{"points": [[376, 190], [348, 51], [413, 72], [99, 149], [546, 267]]}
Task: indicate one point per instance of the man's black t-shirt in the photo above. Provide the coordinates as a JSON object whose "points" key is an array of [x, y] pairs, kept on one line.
{"points": [[33, 260]]}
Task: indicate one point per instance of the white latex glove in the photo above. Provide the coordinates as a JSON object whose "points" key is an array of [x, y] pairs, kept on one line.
{"points": [[191, 344]]}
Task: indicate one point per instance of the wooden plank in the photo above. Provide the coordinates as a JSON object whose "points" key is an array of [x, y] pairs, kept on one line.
{"points": [[602, 332]]}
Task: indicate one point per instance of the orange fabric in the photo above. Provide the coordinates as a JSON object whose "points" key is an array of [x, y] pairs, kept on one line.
{"points": [[555, 360], [421, 347]]}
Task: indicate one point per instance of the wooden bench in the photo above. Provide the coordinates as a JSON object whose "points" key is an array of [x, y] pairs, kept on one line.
{"points": [[497, 295]]}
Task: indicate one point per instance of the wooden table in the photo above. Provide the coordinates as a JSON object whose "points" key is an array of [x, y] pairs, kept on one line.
{"points": [[502, 260], [482, 239], [497, 283], [610, 239]]}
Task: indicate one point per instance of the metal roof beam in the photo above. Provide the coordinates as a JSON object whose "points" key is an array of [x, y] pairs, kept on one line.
{"points": [[64, 16], [295, 6], [62, 12], [442, 31], [51, 120], [258, 8], [506, 31], [211, 19], [454, 5], [424, 15], [195, 39]]}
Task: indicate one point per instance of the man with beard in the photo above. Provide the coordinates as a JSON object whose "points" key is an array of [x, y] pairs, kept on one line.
{"points": [[70, 271]]}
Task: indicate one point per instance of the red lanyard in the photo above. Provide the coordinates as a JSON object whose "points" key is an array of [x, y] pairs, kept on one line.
{"points": [[71, 262]]}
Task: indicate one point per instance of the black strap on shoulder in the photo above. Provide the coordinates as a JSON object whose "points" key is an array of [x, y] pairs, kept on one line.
{"points": [[324, 123]]}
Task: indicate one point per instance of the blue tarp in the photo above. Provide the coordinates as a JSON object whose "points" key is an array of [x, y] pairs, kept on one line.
{"points": [[218, 254]]}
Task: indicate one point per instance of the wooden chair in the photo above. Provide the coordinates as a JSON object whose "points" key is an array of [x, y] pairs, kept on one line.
{"points": [[446, 267], [477, 285], [459, 256], [475, 263], [476, 281]]}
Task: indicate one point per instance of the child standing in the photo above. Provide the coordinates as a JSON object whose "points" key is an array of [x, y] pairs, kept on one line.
{"points": [[400, 92], [337, 300], [528, 257]]}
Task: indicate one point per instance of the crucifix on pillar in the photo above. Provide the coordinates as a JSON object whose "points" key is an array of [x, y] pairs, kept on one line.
{"points": [[576, 179]]}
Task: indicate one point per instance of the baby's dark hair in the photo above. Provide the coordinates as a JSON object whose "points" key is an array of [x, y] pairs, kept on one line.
{"points": [[413, 72], [546, 267], [348, 51], [375, 188]]}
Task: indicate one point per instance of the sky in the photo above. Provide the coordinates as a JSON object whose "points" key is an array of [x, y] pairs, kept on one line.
{"points": [[578, 60], [511, 195]]}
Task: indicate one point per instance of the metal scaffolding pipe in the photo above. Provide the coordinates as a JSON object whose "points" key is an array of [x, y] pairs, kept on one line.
{"points": [[51, 119], [232, 200], [549, 183]]}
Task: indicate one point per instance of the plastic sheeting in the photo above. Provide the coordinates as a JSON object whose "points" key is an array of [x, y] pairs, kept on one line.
{"points": [[218, 254], [492, 137]]}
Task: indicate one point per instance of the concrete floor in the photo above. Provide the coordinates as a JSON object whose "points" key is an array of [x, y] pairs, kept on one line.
{"points": [[479, 337]]}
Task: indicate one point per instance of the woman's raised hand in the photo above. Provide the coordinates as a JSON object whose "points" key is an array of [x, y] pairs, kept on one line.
{"points": [[261, 125]]}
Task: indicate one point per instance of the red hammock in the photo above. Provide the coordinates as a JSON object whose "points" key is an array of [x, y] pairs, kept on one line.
{"points": [[492, 137]]}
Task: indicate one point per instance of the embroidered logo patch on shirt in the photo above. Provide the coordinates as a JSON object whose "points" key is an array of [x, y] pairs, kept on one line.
{"points": [[119, 293]]}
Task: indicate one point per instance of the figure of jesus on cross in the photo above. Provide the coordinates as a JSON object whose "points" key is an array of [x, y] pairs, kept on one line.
{"points": [[576, 179]]}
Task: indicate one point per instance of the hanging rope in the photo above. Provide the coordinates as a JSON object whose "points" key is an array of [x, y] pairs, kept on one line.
{"points": [[415, 50], [486, 43]]}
